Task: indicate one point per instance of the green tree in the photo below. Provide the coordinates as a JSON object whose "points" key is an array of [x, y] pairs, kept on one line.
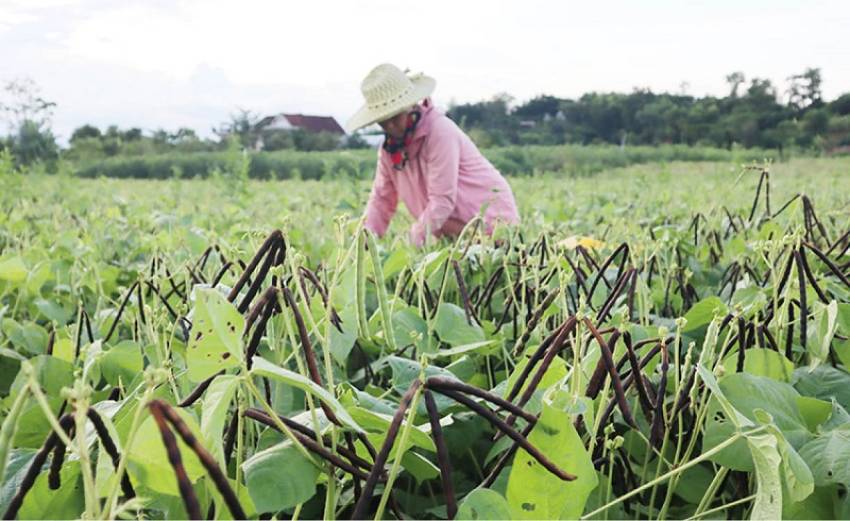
{"points": [[735, 80], [242, 125], [804, 91], [34, 143], [85, 132], [841, 105], [28, 116]]}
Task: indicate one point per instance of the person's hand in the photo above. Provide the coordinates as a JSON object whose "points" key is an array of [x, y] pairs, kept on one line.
{"points": [[417, 235]]}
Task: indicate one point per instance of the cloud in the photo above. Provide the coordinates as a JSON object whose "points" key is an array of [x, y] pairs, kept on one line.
{"points": [[190, 62]]}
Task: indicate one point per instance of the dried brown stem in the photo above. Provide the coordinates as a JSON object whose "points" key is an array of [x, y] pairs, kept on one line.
{"points": [[35, 467], [535, 320], [206, 459], [383, 454], [442, 455], [198, 391], [440, 382], [120, 311], [275, 238], [613, 373], [190, 500], [500, 424]]}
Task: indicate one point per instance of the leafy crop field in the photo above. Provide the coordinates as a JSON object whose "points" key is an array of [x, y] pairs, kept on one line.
{"points": [[657, 341]]}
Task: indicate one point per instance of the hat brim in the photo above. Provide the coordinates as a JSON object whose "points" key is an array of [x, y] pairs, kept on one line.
{"points": [[423, 86]]}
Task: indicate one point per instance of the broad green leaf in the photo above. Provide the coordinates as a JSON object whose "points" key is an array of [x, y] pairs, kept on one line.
{"points": [[50, 372], [263, 367], [748, 393], [762, 362], [28, 337], [397, 261], [750, 299], [814, 411], [53, 311], [838, 419], [351, 396], [419, 466], [39, 275], [798, 479], [33, 426], [451, 326], [693, 483], [768, 503], [8, 426], [818, 505], [123, 361], [733, 415], [244, 496], [375, 422], [824, 382], [404, 371], [65, 503], [63, 349], [343, 342], [16, 467], [843, 318], [842, 349], [215, 404], [703, 312], [13, 269], [216, 337], [410, 328], [556, 372], [148, 459], [343, 295], [733, 405], [484, 504], [432, 261], [459, 350], [828, 456], [10, 364], [826, 321], [465, 368], [279, 477], [533, 492]]}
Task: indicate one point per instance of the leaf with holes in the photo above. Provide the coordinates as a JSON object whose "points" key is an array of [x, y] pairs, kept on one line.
{"points": [[768, 503], [535, 493], [484, 504], [215, 342]]}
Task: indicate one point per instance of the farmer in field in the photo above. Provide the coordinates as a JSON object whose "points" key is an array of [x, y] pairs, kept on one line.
{"points": [[426, 161]]}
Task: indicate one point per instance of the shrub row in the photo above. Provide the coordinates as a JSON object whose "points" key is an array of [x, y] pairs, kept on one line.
{"points": [[514, 160]]}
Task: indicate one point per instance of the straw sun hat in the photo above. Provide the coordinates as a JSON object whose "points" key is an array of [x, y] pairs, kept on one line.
{"points": [[389, 91]]}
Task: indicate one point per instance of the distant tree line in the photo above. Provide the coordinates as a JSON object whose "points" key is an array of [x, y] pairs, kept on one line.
{"points": [[753, 114], [29, 138]]}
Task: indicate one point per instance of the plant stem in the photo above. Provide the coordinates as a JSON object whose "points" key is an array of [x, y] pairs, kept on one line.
{"points": [[92, 503], [402, 446], [719, 476], [386, 315], [360, 286], [45, 408], [724, 507], [112, 497], [696, 461], [278, 423]]}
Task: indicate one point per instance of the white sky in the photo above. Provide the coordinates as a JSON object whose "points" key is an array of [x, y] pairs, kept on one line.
{"points": [[168, 64]]}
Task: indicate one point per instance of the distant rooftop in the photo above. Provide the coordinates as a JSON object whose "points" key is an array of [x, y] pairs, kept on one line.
{"points": [[304, 122]]}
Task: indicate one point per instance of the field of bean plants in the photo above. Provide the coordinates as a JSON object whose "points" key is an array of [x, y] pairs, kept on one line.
{"points": [[664, 341]]}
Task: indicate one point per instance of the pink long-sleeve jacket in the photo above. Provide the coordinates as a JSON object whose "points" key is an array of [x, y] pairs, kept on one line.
{"points": [[444, 184]]}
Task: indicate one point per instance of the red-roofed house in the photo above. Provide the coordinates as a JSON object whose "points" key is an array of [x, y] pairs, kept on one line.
{"points": [[270, 126], [313, 124]]}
